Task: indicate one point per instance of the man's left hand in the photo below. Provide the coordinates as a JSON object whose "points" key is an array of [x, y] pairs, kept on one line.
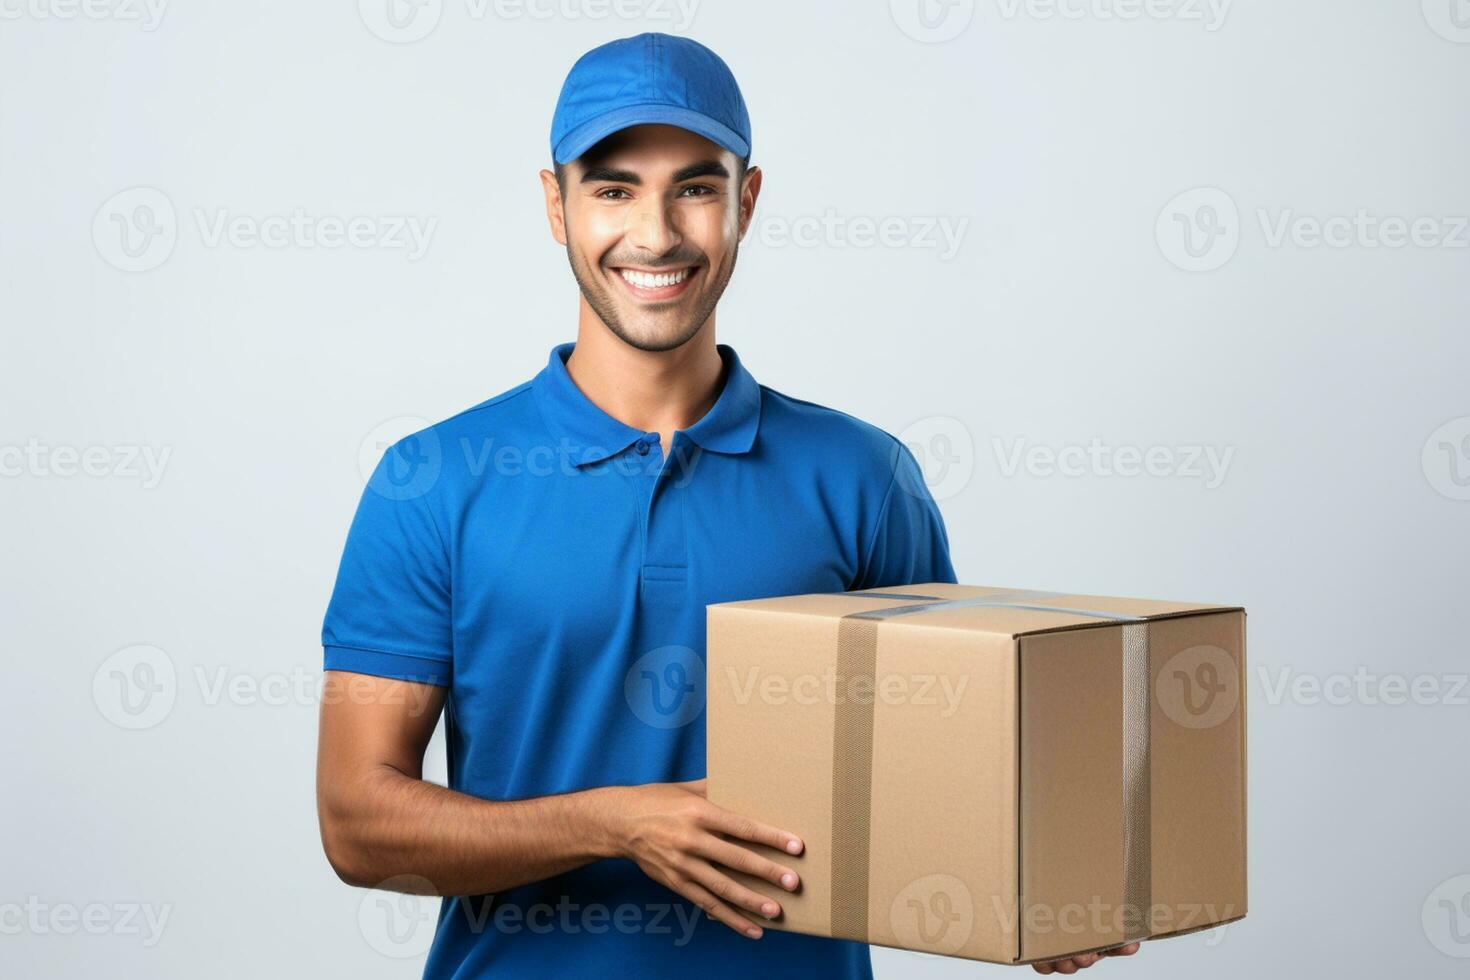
{"points": [[1072, 964]]}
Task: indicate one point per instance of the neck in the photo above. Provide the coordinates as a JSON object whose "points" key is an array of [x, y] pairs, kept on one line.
{"points": [[656, 391]]}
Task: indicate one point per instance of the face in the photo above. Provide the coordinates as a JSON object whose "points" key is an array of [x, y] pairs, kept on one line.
{"points": [[652, 219]]}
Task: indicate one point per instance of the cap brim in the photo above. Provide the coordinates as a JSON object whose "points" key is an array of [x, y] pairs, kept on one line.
{"points": [[593, 131]]}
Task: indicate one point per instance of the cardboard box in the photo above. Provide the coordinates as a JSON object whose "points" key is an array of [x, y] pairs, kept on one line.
{"points": [[1013, 776]]}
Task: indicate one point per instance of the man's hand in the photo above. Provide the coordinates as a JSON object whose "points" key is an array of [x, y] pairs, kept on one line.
{"points": [[381, 822], [1072, 964], [681, 840]]}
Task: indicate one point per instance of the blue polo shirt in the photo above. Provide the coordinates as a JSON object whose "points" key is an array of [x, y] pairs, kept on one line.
{"points": [[548, 565]]}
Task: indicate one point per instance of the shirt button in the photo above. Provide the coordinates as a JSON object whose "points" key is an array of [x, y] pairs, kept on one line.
{"points": [[642, 448]]}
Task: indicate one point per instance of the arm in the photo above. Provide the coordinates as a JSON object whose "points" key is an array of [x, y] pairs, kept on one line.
{"points": [[907, 543], [380, 819]]}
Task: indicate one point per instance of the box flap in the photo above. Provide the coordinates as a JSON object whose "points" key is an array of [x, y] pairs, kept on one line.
{"points": [[1024, 612]]}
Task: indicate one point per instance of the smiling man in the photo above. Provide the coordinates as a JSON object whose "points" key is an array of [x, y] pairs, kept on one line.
{"points": [[550, 599]]}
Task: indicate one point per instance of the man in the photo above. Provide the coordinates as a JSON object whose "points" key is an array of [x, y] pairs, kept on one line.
{"points": [[539, 565]]}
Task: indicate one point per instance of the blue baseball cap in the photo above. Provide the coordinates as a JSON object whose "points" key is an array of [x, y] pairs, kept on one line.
{"points": [[650, 78]]}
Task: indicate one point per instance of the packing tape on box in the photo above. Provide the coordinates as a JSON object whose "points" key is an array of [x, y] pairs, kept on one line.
{"points": [[852, 752]]}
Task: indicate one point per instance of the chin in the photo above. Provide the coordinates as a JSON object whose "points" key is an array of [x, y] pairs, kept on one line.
{"points": [[656, 336]]}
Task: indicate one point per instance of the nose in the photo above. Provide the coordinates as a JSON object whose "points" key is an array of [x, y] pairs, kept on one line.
{"points": [[651, 227]]}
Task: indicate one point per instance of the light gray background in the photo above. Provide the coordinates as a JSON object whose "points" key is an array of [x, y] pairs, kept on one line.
{"points": [[1335, 378]]}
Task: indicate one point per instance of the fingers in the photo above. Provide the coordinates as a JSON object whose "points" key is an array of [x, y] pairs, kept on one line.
{"points": [[718, 910], [744, 859], [1071, 964], [754, 831], [722, 898], [731, 892]]}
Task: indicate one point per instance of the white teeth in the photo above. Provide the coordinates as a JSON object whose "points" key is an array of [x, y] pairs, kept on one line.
{"points": [[648, 280]]}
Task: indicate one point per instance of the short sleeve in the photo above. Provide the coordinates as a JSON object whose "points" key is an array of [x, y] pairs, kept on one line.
{"points": [[390, 612], [910, 545]]}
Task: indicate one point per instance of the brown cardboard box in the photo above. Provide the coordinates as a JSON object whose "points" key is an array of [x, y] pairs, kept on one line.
{"points": [[1016, 776]]}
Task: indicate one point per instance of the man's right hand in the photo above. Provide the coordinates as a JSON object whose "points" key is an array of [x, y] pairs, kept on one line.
{"points": [[682, 840], [384, 826]]}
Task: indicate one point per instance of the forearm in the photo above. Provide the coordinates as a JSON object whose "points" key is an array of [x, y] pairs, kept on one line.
{"points": [[390, 824]]}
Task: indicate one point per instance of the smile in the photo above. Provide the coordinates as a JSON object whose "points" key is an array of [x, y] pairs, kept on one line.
{"points": [[657, 285]]}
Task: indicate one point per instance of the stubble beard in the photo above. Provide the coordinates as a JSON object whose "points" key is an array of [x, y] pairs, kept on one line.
{"points": [[607, 311]]}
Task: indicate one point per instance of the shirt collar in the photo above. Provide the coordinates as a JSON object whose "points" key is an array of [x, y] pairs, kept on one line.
{"points": [[728, 427]]}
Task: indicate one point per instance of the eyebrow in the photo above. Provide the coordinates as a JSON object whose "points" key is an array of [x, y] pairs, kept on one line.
{"points": [[705, 168], [593, 175]]}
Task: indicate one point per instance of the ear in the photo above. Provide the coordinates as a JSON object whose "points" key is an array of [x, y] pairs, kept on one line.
{"points": [[750, 190], [554, 216]]}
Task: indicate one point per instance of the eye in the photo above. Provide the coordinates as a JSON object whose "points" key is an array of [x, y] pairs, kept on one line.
{"points": [[612, 194], [696, 190]]}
